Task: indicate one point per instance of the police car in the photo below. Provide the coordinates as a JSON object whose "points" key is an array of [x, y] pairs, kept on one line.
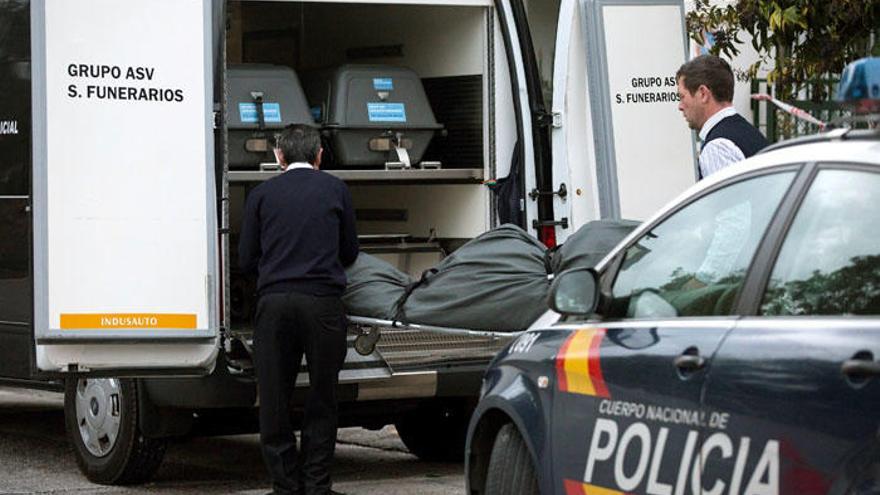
{"points": [[731, 346]]}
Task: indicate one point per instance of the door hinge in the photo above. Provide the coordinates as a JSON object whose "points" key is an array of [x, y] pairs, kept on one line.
{"points": [[562, 192], [218, 116], [549, 119]]}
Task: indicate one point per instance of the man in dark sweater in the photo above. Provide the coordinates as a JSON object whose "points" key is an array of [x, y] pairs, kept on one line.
{"points": [[705, 88], [298, 234]]}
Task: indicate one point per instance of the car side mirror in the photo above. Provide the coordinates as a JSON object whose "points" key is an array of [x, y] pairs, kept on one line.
{"points": [[575, 292]]}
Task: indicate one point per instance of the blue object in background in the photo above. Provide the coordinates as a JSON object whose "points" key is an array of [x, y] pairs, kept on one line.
{"points": [[316, 112], [860, 85], [708, 43]]}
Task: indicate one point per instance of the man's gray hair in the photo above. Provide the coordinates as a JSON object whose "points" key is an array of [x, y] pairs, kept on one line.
{"points": [[299, 143]]}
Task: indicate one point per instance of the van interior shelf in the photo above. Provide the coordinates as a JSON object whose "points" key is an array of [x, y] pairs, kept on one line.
{"points": [[457, 175]]}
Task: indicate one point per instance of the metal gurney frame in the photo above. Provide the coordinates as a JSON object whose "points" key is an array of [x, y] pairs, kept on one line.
{"points": [[369, 332]]}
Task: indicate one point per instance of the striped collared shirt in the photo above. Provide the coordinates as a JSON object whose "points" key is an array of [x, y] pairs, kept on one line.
{"points": [[721, 152]]}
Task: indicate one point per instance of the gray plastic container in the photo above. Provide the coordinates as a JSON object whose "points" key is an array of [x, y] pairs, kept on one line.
{"points": [[361, 102], [283, 103]]}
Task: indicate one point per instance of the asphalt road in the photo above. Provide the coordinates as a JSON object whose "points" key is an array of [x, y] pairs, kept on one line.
{"points": [[36, 458]]}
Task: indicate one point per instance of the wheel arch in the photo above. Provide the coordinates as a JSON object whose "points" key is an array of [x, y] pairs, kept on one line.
{"points": [[488, 419], [479, 447], [160, 422]]}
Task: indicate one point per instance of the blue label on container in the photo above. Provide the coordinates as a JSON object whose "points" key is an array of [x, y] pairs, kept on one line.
{"points": [[316, 113], [383, 84], [247, 112], [386, 112]]}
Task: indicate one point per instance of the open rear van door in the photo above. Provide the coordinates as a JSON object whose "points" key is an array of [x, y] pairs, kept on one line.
{"points": [[618, 137], [124, 201]]}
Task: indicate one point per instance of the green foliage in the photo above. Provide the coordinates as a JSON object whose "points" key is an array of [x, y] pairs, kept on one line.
{"points": [[802, 40], [853, 289]]}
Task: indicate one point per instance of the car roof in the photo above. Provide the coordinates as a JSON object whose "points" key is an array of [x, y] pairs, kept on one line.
{"points": [[839, 145]]}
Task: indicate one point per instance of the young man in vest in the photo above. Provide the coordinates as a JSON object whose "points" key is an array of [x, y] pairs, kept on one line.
{"points": [[705, 85], [298, 234]]}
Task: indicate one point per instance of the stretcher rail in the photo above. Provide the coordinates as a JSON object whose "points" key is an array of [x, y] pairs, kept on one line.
{"points": [[370, 332]]}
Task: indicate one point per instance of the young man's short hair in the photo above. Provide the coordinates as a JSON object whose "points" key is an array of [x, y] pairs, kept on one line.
{"points": [[299, 143], [709, 70]]}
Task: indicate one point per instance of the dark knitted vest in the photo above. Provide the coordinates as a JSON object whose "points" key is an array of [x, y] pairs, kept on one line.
{"points": [[741, 132]]}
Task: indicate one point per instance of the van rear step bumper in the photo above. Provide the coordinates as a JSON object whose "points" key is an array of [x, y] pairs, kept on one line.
{"points": [[224, 390]]}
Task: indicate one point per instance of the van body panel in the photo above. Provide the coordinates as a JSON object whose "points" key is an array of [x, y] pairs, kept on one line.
{"points": [[16, 278]]}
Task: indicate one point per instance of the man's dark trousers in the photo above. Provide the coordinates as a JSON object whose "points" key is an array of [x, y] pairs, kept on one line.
{"points": [[289, 325]]}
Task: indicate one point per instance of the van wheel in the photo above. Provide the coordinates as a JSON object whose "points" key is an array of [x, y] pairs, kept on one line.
{"points": [[101, 416], [435, 433], [510, 466]]}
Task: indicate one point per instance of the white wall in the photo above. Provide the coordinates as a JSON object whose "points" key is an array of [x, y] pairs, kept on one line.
{"points": [[449, 211]]}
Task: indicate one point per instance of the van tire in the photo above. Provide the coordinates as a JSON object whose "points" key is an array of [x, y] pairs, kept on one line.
{"points": [[435, 433], [132, 458], [511, 471]]}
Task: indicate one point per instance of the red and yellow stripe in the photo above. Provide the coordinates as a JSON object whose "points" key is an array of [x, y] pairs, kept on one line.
{"points": [[577, 363], [580, 488]]}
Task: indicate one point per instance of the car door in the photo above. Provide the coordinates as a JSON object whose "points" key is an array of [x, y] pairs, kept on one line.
{"points": [[797, 383], [626, 414], [125, 256]]}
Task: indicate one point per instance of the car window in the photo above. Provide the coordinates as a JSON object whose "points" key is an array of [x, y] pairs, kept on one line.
{"points": [[693, 263], [830, 261]]}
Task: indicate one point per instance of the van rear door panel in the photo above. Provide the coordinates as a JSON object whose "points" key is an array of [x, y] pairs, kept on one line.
{"points": [[618, 137], [125, 251]]}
